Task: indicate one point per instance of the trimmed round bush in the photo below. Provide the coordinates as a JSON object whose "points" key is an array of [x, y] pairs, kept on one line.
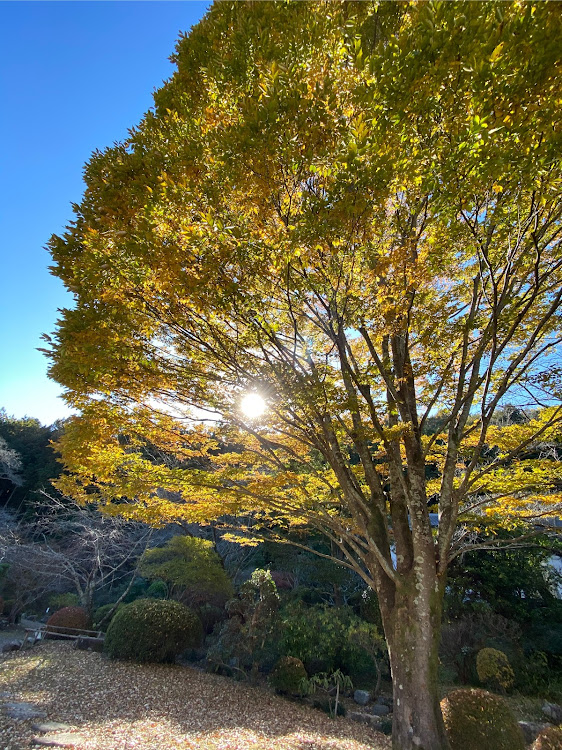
{"points": [[287, 676], [494, 669], [476, 719], [549, 739], [152, 630], [66, 620]]}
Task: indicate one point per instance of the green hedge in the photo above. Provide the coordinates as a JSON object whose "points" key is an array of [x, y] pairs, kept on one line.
{"points": [[152, 630]]}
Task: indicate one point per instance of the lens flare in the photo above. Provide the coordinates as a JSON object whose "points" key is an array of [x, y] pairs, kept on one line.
{"points": [[253, 405]]}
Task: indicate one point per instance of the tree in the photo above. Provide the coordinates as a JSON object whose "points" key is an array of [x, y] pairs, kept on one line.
{"points": [[71, 545], [38, 464], [518, 584], [352, 209], [10, 467], [21, 585], [191, 568]]}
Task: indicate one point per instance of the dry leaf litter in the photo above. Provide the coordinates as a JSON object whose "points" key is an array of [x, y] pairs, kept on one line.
{"points": [[114, 705]]}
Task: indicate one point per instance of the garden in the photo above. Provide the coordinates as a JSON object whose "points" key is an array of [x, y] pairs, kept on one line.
{"points": [[312, 362], [282, 640]]}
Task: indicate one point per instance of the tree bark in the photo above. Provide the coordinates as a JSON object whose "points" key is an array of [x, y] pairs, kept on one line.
{"points": [[413, 630], [87, 599]]}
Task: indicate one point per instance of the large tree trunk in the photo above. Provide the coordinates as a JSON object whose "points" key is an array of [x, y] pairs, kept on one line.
{"points": [[413, 629]]}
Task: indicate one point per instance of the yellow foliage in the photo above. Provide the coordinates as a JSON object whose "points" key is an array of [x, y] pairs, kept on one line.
{"points": [[308, 214]]}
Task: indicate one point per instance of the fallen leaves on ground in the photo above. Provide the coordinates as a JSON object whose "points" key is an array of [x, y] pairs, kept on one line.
{"points": [[125, 706]]}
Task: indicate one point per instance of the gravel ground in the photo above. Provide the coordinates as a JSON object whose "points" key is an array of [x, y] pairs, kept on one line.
{"points": [[124, 706]]}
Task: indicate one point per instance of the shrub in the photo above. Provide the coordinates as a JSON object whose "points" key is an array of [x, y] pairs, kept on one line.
{"points": [[333, 685], [549, 739], [288, 675], [475, 719], [325, 704], [66, 620], [369, 608], [365, 654], [540, 672], [157, 590], [152, 630], [314, 635], [494, 669], [246, 634], [59, 601], [462, 639], [305, 594], [534, 674], [210, 616], [335, 649], [100, 619], [191, 568]]}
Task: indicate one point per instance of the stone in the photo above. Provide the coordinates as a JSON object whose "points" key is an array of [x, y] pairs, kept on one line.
{"points": [[86, 643], [363, 718], [386, 700], [51, 726], [553, 712], [11, 646], [379, 710], [362, 697], [23, 711], [60, 740], [531, 730]]}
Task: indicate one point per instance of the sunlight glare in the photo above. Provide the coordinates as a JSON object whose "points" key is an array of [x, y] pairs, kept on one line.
{"points": [[253, 405]]}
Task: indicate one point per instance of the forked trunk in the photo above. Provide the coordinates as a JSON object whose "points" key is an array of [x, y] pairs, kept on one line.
{"points": [[412, 629]]}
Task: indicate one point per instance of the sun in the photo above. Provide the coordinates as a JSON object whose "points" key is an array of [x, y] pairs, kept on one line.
{"points": [[253, 405]]}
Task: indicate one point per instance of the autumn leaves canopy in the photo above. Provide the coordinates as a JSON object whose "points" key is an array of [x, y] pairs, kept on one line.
{"points": [[329, 203]]}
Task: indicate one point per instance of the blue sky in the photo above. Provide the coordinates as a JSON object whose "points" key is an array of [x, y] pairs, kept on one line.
{"points": [[74, 76]]}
